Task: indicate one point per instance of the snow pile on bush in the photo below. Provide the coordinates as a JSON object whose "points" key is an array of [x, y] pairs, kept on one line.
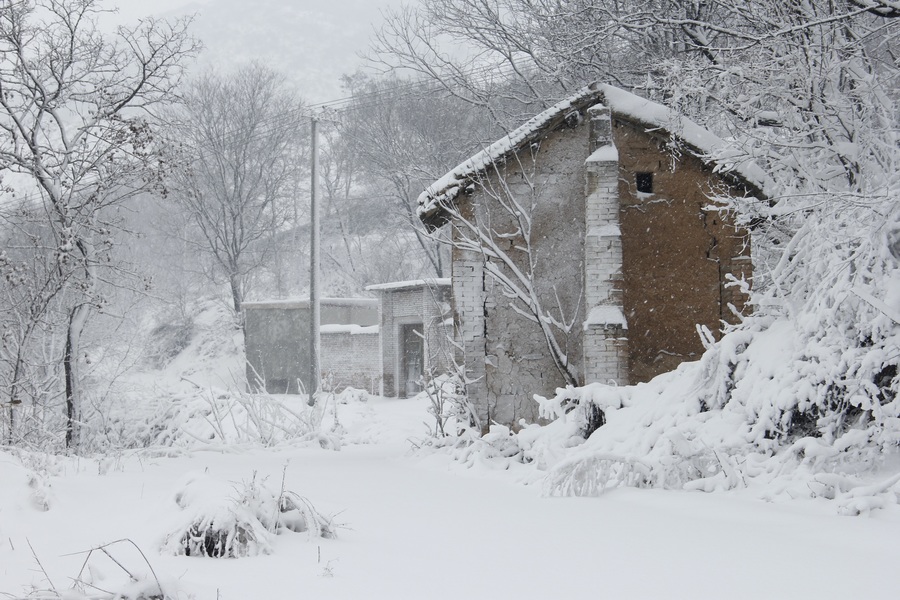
{"points": [[759, 410], [22, 487], [221, 520]]}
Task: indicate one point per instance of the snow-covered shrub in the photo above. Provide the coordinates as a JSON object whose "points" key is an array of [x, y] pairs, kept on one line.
{"points": [[759, 409], [447, 404], [34, 426], [24, 484], [219, 520], [166, 341], [351, 395]]}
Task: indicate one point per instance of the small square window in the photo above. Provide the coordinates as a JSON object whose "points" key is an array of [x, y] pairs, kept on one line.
{"points": [[644, 182]]}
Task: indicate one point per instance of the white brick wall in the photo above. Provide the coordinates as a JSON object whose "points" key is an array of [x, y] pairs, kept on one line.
{"points": [[506, 355], [605, 355], [351, 359], [422, 304], [468, 304]]}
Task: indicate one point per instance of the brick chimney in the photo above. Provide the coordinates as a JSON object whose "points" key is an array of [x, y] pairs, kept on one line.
{"points": [[605, 328]]}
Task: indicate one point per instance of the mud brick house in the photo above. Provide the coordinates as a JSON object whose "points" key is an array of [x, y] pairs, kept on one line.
{"points": [[588, 246], [415, 338]]}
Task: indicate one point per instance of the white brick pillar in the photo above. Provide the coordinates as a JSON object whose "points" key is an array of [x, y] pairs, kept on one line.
{"points": [[605, 329], [468, 298]]}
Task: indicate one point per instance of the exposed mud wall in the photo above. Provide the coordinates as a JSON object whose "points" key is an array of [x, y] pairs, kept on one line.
{"points": [[676, 253]]}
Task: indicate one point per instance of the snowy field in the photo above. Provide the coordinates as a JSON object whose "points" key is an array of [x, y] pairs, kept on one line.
{"points": [[416, 524]]}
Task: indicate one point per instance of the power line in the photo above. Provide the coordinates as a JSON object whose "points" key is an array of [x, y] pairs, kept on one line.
{"points": [[360, 101]]}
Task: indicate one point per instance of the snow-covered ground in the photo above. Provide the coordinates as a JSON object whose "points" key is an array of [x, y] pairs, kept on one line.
{"points": [[418, 525]]}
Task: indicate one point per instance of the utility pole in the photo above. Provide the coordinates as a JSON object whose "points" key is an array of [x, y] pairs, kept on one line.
{"points": [[314, 312]]}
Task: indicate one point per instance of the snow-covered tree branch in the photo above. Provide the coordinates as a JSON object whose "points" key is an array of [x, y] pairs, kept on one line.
{"points": [[237, 140], [74, 108]]}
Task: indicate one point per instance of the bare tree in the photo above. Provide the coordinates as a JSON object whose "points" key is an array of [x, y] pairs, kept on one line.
{"points": [[404, 137], [73, 108], [824, 70], [501, 226], [33, 311], [518, 55], [238, 136]]}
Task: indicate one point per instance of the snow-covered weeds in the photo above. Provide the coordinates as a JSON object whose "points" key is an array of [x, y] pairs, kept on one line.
{"points": [[221, 520], [116, 570], [447, 404], [193, 417]]}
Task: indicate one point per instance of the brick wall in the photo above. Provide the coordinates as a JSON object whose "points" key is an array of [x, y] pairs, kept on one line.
{"points": [[276, 337], [351, 359], [506, 357], [427, 305]]}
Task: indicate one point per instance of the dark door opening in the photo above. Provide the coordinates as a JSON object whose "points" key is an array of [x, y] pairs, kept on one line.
{"points": [[412, 360]]}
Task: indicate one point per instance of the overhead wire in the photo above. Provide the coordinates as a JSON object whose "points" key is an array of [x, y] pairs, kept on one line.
{"points": [[297, 117]]}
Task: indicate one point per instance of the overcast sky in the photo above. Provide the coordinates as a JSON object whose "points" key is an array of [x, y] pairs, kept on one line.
{"points": [[313, 42]]}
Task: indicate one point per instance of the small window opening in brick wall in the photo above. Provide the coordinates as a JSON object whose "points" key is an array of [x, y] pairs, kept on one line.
{"points": [[644, 182]]}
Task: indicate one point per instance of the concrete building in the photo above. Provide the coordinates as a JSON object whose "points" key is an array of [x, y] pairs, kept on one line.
{"points": [[276, 339], [588, 246], [415, 333], [386, 345]]}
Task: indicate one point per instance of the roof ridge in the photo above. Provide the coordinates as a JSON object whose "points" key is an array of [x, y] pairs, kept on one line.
{"points": [[622, 104]]}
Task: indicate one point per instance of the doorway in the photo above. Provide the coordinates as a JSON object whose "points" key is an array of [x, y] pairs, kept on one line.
{"points": [[412, 360]]}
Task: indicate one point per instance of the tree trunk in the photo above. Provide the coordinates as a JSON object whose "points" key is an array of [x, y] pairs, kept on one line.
{"points": [[237, 295], [77, 319], [12, 424]]}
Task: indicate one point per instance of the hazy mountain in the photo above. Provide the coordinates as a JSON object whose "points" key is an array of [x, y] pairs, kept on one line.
{"points": [[313, 42]]}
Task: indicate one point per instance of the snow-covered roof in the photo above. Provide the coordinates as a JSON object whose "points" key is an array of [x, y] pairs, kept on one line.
{"points": [[623, 105], [404, 285], [304, 303], [350, 328], [705, 143]]}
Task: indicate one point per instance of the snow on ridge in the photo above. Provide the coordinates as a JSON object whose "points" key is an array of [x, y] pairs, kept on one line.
{"points": [[448, 187], [710, 146], [352, 329], [399, 285], [621, 104], [607, 153]]}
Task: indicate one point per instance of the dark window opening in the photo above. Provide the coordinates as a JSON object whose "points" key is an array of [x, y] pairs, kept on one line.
{"points": [[644, 182]]}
